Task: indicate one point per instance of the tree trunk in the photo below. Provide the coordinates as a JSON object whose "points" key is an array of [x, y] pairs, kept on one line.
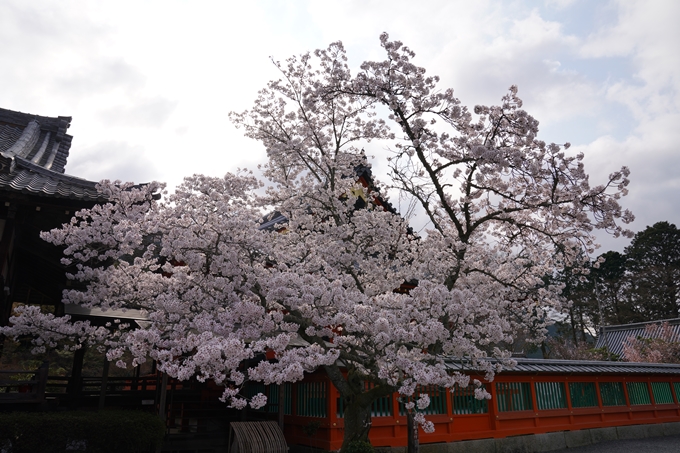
{"points": [[413, 442], [573, 325], [357, 399], [357, 421]]}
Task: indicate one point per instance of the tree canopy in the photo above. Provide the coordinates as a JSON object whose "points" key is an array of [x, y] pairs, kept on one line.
{"points": [[505, 210], [653, 265], [638, 285]]}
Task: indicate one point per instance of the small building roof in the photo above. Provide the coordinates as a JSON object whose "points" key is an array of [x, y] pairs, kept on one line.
{"points": [[101, 316], [33, 154], [273, 219], [613, 337]]}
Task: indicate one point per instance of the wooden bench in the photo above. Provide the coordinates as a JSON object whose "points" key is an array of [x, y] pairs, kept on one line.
{"points": [[256, 437]]}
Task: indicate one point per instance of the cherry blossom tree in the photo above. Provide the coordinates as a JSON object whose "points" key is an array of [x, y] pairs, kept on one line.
{"points": [[505, 208], [658, 344], [324, 287]]}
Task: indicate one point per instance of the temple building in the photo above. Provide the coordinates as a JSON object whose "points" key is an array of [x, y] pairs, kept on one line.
{"points": [[35, 195]]}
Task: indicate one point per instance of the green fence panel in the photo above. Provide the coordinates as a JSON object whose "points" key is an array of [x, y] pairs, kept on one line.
{"points": [[273, 398], [638, 393], [662, 393], [676, 387], [311, 399], [612, 394], [513, 396], [340, 407], [464, 402], [550, 395], [583, 394], [438, 397], [382, 407]]}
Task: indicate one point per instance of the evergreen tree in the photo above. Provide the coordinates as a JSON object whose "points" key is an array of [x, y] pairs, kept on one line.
{"points": [[653, 272], [609, 287]]}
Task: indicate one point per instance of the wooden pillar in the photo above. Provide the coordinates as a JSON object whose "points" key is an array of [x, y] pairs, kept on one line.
{"points": [[134, 385], [335, 433], [492, 405], [164, 393], [105, 382], [5, 264], [534, 400], [162, 413], [75, 383], [41, 377], [598, 393], [6, 240], [448, 404], [282, 404]]}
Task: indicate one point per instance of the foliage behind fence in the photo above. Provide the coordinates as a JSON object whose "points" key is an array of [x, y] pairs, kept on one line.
{"points": [[98, 432]]}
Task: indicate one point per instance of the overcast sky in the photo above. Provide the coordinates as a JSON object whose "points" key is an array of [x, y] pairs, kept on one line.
{"points": [[149, 84]]}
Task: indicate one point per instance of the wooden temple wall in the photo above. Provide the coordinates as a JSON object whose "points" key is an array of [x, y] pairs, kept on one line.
{"points": [[520, 404]]}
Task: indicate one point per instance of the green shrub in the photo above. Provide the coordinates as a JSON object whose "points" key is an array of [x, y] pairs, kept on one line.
{"points": [[359, 446], [103, 432]]}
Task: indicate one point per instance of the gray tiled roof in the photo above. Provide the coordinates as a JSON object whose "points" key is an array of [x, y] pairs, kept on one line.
{"points": [[33, 153], [550, 366], [273, 219], [613, 337]]}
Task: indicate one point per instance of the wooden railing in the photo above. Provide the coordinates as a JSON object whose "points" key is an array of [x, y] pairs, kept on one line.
{"points": [[20, 386], [187, 409], [111, 391]]}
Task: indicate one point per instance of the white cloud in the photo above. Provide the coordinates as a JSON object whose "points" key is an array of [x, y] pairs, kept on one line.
{"points": [[648, 33], [149, 84], [113, 160], [145, 112], [560, 4], [99, 75]]}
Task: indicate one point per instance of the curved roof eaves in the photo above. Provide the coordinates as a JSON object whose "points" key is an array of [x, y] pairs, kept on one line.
{"points": [[56, 185]]}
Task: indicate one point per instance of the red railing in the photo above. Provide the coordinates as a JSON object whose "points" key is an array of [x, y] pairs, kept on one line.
{"points": [[552, 408]]}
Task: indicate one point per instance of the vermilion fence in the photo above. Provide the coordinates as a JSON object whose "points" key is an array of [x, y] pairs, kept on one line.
{"points": [[535, 398]]}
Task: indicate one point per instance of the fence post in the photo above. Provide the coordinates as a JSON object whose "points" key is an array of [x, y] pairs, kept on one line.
{"points": [[493, 405], [75, 383], [164, 393], [41, 377], [105, 381], [282, 403]]}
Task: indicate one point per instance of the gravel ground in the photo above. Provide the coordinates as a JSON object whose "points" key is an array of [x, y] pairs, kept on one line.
{"points": [[668, 444]]}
